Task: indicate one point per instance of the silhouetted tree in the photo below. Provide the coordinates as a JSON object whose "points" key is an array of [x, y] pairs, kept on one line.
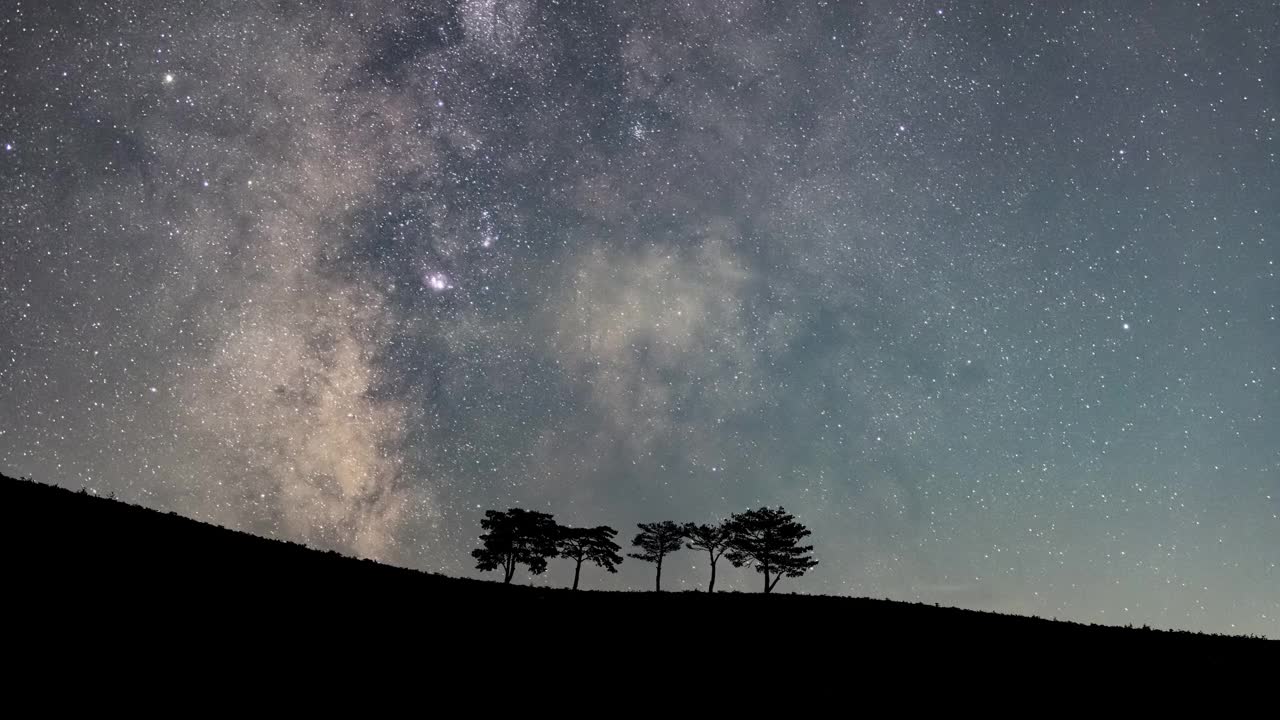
{"points": [[714, 539], [769, 539], [516, 537], [589, 544], [656, 541]]}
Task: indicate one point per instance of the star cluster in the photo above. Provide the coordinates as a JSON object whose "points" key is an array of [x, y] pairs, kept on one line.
{"points": [[984, 293]]}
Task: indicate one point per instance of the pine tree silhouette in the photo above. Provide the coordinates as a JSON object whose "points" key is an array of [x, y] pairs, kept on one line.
{"points": [[516, 537], [589, 545], [656, 541], [714, 539], [769, 539]]}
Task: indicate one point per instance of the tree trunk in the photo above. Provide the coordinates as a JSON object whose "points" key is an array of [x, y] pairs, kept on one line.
{"points": [[576, 571], [767, 586], [657, 585], [712, 587]]}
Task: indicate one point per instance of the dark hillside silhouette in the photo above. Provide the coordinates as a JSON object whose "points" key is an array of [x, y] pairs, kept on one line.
{"points": [[76, 565]]}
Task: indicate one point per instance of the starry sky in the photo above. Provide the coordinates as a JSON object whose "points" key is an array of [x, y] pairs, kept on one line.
{"points": [[984, 293]]}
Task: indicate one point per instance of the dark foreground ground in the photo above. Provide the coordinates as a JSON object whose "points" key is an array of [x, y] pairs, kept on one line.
{"points": [[80, 566]]}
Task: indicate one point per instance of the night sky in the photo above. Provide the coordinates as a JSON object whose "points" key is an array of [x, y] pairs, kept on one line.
{"points": [[984, 293]]}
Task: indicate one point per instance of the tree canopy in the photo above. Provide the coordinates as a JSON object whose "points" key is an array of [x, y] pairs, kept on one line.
{"points": [[656, 541], [589, 545], [769, 539], [516, 537]]}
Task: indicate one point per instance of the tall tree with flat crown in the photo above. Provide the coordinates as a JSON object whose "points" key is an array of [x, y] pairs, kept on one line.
{"points": [[714, 539], [516, 537], [769, 539], [656, 541], [589, 545]]}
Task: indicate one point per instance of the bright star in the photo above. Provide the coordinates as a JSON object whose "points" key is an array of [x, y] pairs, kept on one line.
{"points": [[168, 79], [438, 282]]}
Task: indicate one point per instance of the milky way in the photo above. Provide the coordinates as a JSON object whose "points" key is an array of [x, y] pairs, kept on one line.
{"points": [[986, 296]]}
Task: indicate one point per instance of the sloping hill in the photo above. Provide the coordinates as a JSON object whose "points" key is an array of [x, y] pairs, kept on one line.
{"points": [[75, 555]]}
